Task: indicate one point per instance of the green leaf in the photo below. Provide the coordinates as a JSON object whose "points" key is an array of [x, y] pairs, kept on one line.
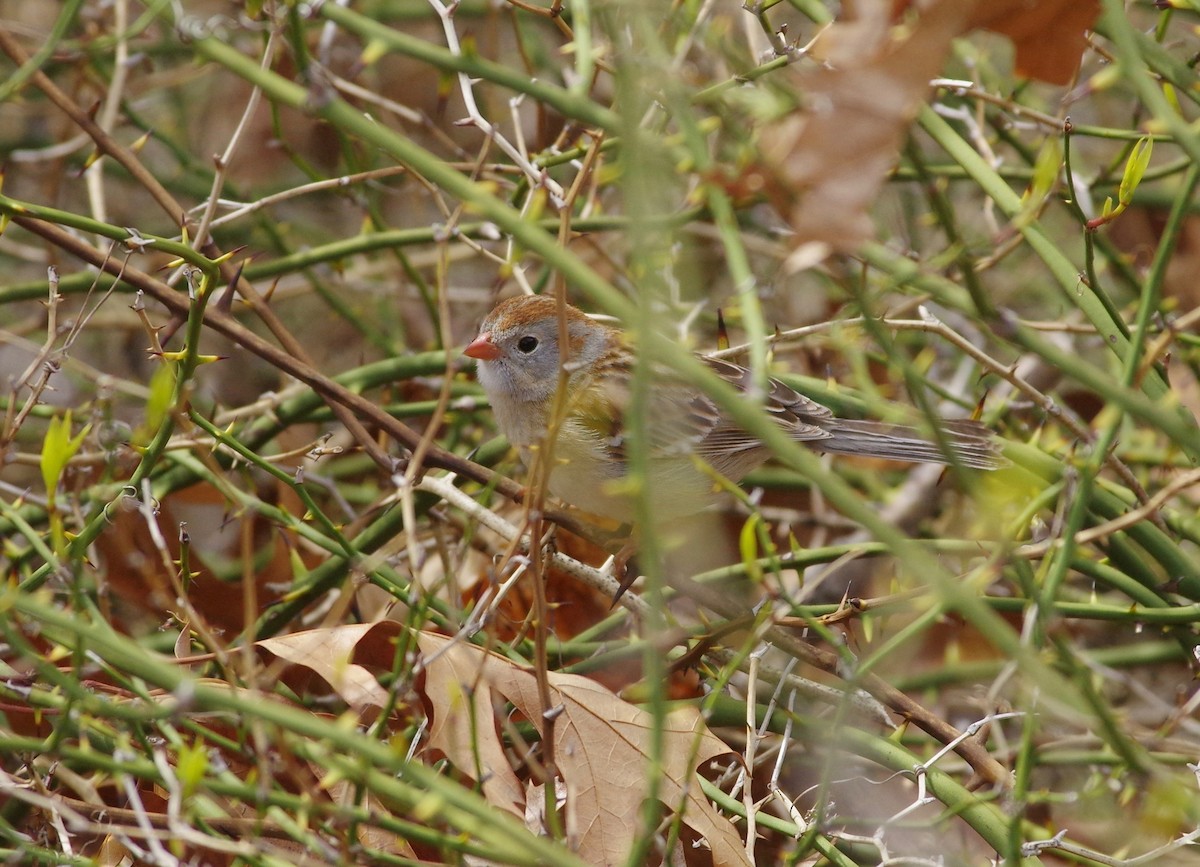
{"points": [[191, 767], [58, 448], [748, 547], [162, 396], [1046, 169], [1135, 168]]}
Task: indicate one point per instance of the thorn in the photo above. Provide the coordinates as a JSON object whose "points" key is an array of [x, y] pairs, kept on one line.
{"points": [[225, 257], [225, 299], [624, 573], [166, 332]]}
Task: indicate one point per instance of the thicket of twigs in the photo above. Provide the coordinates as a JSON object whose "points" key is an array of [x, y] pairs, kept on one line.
{"points": [[269, 593]]}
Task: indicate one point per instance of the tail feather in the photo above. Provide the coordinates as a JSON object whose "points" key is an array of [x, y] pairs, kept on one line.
{"points": [[970, 443]]}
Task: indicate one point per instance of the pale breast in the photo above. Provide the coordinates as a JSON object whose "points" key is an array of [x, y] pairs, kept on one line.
{"points": [[586, 476]]}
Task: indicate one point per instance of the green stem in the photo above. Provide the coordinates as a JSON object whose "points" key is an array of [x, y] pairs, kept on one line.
{"points": [[347, 751], [1098, 309], [570, 103], [17, 80]]}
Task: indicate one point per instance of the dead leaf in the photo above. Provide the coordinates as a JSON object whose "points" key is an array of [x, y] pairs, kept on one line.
{"points": [[337, 655], [824, 166], [145, 578], [535, 805], [602, 749], [347, 794], [1049, 36], [830, 160], [462, 718], [602, 742]]}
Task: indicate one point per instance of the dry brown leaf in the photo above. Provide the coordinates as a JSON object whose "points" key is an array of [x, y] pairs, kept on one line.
{"points": [[1049, 36], [462, 717], [826, 164], [602, 742], [139, 574], [602, 749], [346, 794], [332, 653], [535, 805], [830, 161], [112, 853]]}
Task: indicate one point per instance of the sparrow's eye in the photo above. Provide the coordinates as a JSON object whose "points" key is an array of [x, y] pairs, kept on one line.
{"points": [[527, 344]]}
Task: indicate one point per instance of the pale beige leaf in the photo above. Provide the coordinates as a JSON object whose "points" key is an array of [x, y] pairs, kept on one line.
{"points": [[329, 653], [602, 751], [113, 853], [828, 162], [458, 687], [347, 794], [535, 806]]}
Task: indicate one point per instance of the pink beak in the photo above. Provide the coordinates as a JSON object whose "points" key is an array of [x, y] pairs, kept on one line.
{"points": [[482, 348]]}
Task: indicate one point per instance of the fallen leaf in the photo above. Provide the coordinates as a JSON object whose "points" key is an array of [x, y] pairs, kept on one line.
{"points": [[1048, 36], [337, 655], [348, 795], [535, 805], [145, 577], [458, 679], [602, 749]]}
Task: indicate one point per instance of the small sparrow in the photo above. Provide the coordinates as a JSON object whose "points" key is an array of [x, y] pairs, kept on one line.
{"points": [[690, 436]]}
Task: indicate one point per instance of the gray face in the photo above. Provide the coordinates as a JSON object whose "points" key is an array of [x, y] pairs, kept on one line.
{"points": [[527, 368]]}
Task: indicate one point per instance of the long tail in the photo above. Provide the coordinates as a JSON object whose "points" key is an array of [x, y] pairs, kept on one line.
{"points": [[970, 442]]}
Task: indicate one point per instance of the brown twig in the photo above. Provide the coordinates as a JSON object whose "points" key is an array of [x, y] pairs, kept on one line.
{"points": [[981, 761], [178, 214], [104, 142], [337, 395], [282, 359]]}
